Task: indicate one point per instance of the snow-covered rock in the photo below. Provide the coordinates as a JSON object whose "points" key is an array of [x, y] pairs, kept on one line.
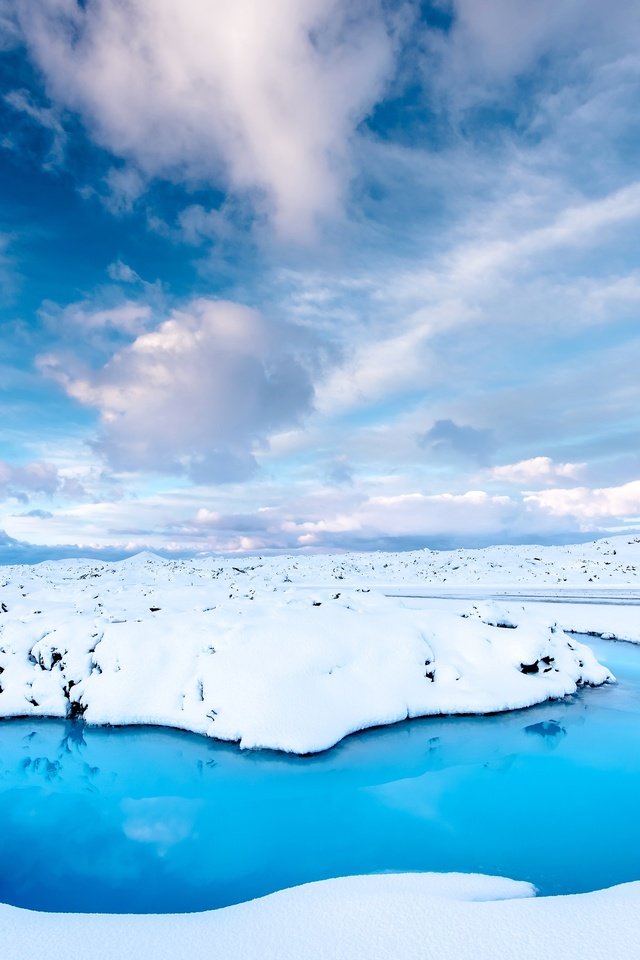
{"points": [[409, 916], [239, 652]]}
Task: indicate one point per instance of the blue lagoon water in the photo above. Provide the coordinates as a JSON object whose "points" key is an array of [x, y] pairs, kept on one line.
{"points": [[150, 820]]}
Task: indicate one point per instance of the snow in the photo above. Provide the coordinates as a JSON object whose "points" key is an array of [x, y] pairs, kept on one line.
{"points": [[286, 653], [294, 653], [413, 916], [613, 621]]}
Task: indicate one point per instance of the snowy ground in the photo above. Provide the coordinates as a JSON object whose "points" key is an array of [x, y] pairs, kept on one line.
{"points": [[408, 916], [296, 653]]}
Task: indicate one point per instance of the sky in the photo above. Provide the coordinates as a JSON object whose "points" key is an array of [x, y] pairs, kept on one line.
{"points": [[317, 275]]}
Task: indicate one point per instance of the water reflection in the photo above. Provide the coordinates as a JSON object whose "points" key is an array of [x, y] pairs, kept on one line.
{"points": [[547, 729], [157, 820]]}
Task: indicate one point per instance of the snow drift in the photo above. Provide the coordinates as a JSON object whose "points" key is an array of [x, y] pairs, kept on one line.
{"points": [[413, 916]]}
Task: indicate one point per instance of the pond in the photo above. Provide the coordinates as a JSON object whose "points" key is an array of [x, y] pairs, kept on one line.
{"points": [[152, 820]]}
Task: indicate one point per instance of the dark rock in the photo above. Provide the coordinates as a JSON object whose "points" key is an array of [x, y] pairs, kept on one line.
{"points": [[530, 667], [76, 710]]}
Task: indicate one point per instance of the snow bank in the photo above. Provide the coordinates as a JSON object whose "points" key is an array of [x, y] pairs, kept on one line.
{"points": [[413, 916], [266, 664], [587, 615], [608, 620]]}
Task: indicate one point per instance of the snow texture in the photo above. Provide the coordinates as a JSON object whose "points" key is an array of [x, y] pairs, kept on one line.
{"points": [[412, 916], [296, 653]]}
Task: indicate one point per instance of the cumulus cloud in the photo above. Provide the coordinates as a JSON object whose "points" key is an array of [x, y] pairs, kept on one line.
{"points": [[260, 97], [475, 516], [586, 504], [195, 394], [537, 471]]}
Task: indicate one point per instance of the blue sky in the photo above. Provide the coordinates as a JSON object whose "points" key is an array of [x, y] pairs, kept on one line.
{"points": [[317, 274]]}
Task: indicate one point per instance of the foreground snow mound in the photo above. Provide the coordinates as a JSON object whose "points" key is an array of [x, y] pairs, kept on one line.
{"points": [[412, 916], [283, 669]]}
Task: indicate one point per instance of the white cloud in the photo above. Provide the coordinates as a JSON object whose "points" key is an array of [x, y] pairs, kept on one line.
{"points": [[124, 186], [122, 273], [327, 518], [406, 515], [379, 365], [537, 471], [443, 513], [9, 31], [473, 514], [261, 97], [487, 273], [7, 269], [494, 42], [21, 482], [196, 393], [130, 317], [47, 118], [583, 503], [577, 225], [195, 224]]}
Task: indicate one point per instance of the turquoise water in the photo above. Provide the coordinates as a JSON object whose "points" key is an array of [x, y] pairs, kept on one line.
{"points": [[139, 820]]}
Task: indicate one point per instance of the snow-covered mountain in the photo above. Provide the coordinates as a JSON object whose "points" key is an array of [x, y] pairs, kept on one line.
{"points": [[607, 563]]}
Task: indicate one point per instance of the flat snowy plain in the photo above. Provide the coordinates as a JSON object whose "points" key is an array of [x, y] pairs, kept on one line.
{"points": [[294, 654]]}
